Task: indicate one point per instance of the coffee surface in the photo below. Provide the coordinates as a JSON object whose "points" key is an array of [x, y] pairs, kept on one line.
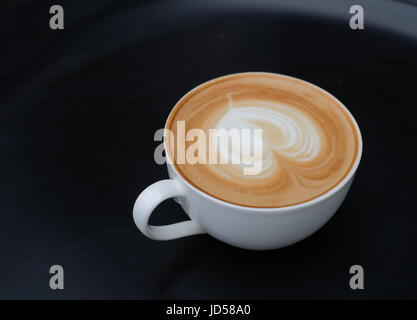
{"points": [[309, 142]]}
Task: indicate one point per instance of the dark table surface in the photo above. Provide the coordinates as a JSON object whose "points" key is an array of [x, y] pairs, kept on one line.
{"points": [[78, 112]]}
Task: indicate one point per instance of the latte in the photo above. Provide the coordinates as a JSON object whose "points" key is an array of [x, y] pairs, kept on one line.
{"points": [[309, 142]]}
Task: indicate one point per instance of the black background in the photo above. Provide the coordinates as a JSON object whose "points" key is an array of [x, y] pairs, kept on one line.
{"points": [[79, 108]]}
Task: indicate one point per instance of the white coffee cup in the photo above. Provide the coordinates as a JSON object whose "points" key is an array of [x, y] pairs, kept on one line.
{"points": [[240, 226]]}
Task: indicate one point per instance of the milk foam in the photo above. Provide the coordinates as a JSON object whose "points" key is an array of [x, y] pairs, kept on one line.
{"points": [[308, 142], [299, 134]]}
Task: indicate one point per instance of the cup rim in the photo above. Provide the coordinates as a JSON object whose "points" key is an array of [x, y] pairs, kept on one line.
{"points": [[348, 176]]}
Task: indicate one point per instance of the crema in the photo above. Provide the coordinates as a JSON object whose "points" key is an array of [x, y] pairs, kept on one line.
{"points": [[309, 142]]}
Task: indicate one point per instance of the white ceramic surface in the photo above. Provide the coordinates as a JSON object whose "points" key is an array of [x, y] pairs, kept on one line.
{"points": [[240, 226]]}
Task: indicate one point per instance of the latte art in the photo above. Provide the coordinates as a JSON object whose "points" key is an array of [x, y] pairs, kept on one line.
{"points": [[286, 133], [308, 141]]}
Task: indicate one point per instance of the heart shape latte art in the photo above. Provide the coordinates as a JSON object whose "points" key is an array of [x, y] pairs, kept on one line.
{"points": [[307, 146]]}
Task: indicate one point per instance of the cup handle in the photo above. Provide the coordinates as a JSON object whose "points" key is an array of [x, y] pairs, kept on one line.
{"points": [[149, 199]]}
